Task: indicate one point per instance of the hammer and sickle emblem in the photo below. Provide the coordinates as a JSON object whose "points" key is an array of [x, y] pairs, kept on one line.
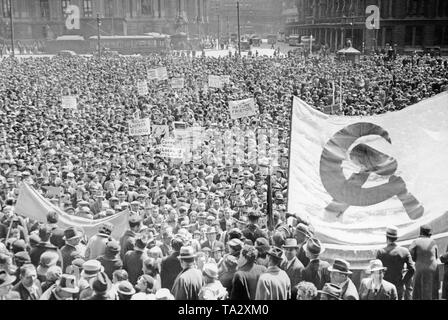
{"points": [[349, 192]]}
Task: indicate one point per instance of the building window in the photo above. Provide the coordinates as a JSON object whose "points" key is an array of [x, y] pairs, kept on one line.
{"points": [[408, 36], [147, 9], [109, 8], [5, 8], [64, 5], [44, 9], [87, 8]]}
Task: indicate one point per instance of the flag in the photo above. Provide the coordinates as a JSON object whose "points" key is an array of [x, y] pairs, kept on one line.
{"points": [[354, 176], [34, 206]]}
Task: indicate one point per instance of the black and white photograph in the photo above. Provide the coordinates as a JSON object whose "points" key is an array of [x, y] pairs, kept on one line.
{"points": [[244, 152]]}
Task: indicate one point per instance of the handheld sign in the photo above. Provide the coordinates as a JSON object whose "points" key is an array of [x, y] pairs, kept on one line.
{"points": [[177, 83], [159, 131], [152, 74], [142, 88], [69, 102], [242, 108], [162, 73], [214, 82], [139, 127]]}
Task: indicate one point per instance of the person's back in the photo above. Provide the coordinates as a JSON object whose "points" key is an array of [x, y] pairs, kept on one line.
{"points": [[425, 252], [317, 273], [188, 284], [170, 268], [133, 264], [394, 258], [96, 246], [245, 282], [273, 285]]}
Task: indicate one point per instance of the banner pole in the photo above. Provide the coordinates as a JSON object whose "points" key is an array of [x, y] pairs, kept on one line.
{"points": [[289, 148]]}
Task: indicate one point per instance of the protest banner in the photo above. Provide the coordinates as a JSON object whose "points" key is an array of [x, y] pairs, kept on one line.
{"points": [[242, 108], [215, 82], [177, 83], [69, 102], [139, 127], [162, 73], [142, 88], [159, 131]]}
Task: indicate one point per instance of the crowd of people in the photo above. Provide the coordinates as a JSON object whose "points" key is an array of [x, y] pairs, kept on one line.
{"points": [[197, 229]]}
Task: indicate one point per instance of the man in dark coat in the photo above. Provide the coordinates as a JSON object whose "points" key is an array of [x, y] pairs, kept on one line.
{"points": [[246, 278], [57, 234], [211, 241], [302, 234], [375, 287], [170, 266], [394, 257], [128, 239], [316, 271], [189, 281], [226, 278], [424, 252], [133, 260], [339, 274], [293, 267], [29, 287], [253, 231], [72, 237], [43, 246]]}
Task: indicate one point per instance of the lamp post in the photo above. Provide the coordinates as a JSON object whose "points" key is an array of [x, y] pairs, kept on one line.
{"points": [[98, 22], [239, 34], [11, 9]]}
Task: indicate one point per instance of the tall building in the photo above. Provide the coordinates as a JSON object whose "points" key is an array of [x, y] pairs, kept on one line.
{"points": [[410, 24], [45, 19], [256, 17]]}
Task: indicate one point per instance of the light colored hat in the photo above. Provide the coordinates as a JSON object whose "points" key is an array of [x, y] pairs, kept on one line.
{"points": [[91, 268], [211, 270], [164, 294], [375, 265]]}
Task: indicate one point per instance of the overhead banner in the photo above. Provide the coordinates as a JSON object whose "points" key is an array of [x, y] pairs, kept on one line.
{"points": [[139, 127], [354, 176], [242, 108], [142, 88], [34, 206], [177, 83], [69, 102]]}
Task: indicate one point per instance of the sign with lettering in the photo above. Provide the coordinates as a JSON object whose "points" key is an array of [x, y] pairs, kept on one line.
{"points": [[162, 73], [177, 83], [142, 88], [159, 131], [139, 127], [242, 108], [215, 82], [69, 102]]}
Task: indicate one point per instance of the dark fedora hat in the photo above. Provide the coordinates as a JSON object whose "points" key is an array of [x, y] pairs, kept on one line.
{"points": [[314, 246], [425, 230], [341, 266], [331, 290], [392, 232], [187, 252]]}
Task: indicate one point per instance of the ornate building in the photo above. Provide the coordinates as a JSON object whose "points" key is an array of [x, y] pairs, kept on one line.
{"points": [[410, 24], [45, 19]]}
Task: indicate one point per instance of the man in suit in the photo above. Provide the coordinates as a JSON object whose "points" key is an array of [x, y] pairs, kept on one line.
{"points": [[375, 287], [293, 267], [275, 283], [170, 266], [339, 274], [57, 234], [316, 271], [29, 287], [128, 238], [43, 246], [394, 258], [72, 237], [253, 231], [211, 241], [6, 283], [133, 260], [246, 278], [189, 281]]}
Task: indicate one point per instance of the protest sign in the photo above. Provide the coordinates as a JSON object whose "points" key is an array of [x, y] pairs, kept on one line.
{"points": [[171, 152], [139, 127], [177, 83], [142, 88], [215, 82], [152, 74], [242, 108], [162, 73], [159, 131], [69, 102]]}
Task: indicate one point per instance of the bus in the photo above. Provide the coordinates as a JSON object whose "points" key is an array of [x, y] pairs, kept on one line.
{"points": [[294, 40], [132, 44]]}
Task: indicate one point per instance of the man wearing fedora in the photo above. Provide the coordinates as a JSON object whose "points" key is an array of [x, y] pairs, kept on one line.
{"points": [[394, 258], [189, 281], [211, 241], [6, 284], [64, 289], [128, 239], [302, 234], [72, 237], [293, 267], [170, 266], [424, 252], [275, 283], [252, 230], [330, 291], [212, 288], [133, 260], [375, 287], [316, 271], [339, 274]]}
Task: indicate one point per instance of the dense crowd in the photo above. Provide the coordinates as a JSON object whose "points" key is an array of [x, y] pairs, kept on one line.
{"points": [[197, 229]]}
